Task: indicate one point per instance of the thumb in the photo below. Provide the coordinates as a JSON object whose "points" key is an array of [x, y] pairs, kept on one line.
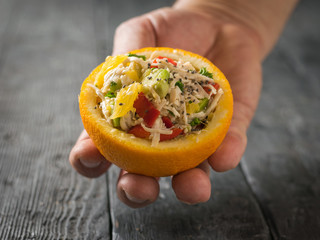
{"points": [[133, 34]]}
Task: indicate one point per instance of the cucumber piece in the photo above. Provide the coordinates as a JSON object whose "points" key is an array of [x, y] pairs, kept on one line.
{"points": [[162, 88], [203, 104], [116, 122]]}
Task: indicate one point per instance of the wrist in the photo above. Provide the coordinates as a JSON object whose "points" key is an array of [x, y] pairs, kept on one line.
{"points": [[263, 20]]}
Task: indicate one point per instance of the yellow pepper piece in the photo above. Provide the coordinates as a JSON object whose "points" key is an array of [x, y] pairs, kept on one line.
{"points": [[134, 72], [192, 108], [125, 99], [110, 63], [108, 104]]}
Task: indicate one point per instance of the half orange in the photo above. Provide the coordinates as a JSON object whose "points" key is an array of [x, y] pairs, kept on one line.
{"points": [[170, 157]]}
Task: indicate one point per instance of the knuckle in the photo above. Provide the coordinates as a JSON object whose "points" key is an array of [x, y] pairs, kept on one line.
{"points": [[125, 26]]}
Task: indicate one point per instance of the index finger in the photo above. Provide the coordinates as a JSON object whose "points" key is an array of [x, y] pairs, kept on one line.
{"points": [[133, 34], [86, 158]]}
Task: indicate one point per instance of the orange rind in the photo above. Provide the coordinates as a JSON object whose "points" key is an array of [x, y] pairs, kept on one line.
{"points": [[136, 155]]}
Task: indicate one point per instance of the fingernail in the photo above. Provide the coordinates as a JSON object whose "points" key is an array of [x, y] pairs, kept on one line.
{"points": [[187, 203], [133, 199], [89, 164]]}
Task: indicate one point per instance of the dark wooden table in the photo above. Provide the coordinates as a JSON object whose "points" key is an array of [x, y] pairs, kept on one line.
{"points": [[48, 47]]}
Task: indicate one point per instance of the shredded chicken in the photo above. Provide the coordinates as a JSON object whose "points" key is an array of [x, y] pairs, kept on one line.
{"points": [[185, 86], [157, 129], [184, 73], [211, 106], [140, 61], [98, 91]]}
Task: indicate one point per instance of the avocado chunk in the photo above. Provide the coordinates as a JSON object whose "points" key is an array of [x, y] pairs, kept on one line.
{"points": [[158, 79], [146, 74]]}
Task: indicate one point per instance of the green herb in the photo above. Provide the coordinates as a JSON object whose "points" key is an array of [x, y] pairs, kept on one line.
{"points": [[180, 85], [195, 122], [114, 86], [171, 112], [204, 72], [110, 94], [138, 56]]}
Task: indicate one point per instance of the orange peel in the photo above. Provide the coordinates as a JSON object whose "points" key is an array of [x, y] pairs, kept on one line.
{"points": [[170, 157]]}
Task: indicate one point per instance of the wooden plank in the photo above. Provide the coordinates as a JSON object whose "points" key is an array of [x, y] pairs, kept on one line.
{"points": [[6, 17], [231, 213], [6, 7], [282, 161], [50, 48]]}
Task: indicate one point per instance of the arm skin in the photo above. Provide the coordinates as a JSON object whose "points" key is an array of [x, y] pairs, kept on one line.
{"points": [[235, 35]]}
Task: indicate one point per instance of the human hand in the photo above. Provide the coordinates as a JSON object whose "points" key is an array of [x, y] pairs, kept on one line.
{"points": [[229, 44]]}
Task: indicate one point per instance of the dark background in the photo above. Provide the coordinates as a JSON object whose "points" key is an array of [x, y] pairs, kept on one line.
{"points": [[47, 48]]}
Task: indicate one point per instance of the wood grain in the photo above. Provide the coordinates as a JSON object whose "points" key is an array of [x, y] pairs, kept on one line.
{"points": [[231, 213], [48, 49], [282, 161]]}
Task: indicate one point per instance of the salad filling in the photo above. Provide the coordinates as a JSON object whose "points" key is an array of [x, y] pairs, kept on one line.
{"points": [[158, 98]]}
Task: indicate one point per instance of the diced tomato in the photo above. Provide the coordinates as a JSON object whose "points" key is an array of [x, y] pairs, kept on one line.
{"points": [[175, 132], [207, 89], [160, 57], [146, 110], [142, 105], [167, 122], [151, 116], [139, 132], [215, 85]]}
